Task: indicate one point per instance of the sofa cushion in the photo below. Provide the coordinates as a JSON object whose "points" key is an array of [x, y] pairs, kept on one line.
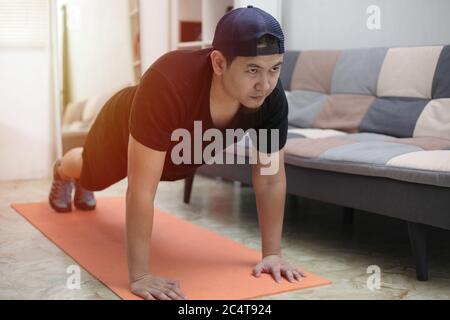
{"points": [[435, 160], [374, 154], [424, 160], [313, 148], [94, 105], [408, 72], [314, 70], [314, 133], [434, 120], [287, 70], [242, 147], [357, 71], [368, 152], [408, 87], [73, 112], [393, 116], [426, 143], [382, 112], [441, 81], [304, 106], [343, 112]]}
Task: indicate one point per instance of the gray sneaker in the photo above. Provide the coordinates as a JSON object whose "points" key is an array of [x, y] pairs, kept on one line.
{"points": [[83, 199], [60, 197]]}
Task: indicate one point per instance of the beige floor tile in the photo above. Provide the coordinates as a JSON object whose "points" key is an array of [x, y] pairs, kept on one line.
{"points": [[32, 267]]}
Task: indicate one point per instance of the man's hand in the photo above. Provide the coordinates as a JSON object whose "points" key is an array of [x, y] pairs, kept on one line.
{"points": [[275, 265], [151, 287]]}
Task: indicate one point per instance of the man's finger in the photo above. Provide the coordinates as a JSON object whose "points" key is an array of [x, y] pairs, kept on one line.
{"points": [[178, 292], [257, 271], [146, 296], [301, 273], [159, 295], [297, 276], [174, 294], [277, 274], [289, 275]]}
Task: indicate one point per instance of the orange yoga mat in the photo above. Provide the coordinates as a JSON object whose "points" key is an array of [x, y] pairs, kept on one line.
{"points": [[208, 266]]}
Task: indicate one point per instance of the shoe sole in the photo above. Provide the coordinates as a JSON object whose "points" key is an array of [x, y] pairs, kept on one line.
{"points": [[84, 207], [61, 210]]}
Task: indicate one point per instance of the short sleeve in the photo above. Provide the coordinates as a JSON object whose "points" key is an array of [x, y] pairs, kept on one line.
{"points": [[275, 121], [154, 112]]}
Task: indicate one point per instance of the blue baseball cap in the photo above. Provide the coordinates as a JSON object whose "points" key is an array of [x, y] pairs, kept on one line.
{"points": [[238, 31]]}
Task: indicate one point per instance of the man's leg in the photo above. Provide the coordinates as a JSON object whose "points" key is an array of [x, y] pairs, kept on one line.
{"points": [[71, 164]]}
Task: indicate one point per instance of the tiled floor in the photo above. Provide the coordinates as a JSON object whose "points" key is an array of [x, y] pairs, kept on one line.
{"points": [[32, 267]]}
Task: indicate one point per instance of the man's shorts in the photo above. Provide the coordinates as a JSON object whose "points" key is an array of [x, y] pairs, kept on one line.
{"points": [[106, 147], [99, 171]]}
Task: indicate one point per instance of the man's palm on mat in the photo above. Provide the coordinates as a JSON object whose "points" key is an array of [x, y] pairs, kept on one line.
{"points": [[151, 287]]}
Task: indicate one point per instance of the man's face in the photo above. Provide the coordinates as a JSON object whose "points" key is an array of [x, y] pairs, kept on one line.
{"points": [[250, 80]]}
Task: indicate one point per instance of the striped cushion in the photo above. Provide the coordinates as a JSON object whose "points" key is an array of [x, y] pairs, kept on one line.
{"points": [[377, 111], [424, 160], [401, 92]]}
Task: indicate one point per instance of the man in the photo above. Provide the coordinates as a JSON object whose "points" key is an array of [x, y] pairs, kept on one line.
{"points": [[234, 85]]}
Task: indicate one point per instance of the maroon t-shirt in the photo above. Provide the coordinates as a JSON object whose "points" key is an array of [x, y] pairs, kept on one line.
{"points": [[172, 94]]}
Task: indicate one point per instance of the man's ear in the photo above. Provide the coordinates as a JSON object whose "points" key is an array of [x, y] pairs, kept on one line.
{"points": [[218, 61]]}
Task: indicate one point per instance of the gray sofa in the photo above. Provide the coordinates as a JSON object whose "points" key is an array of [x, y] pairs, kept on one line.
{"points": [[369, 130]]}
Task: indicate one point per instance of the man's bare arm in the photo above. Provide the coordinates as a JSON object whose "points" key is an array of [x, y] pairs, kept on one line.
{"points": [[145, 168], [270, 191]]}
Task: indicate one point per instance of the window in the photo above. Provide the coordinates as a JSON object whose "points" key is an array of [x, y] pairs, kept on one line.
{"points": [[24, 23]]}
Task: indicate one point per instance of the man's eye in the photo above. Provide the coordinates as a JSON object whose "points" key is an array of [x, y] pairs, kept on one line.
{"points": [[253, 71], [276, 69]]}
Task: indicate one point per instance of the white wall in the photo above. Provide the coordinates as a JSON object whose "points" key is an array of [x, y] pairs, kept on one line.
{"points": [[331, 24], [102, 60], [28, 111], [155, 30], [27, 144], [212, 12], [274, 7], [100, 49]]}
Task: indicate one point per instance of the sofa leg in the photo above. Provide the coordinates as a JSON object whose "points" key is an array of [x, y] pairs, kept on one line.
{"points": [[188, 188], [417, 237], [348, 216]]}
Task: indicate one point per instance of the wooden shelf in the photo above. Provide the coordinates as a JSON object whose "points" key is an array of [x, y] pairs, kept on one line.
{"points": [[197, 17], [208, 13], [194, 44]]}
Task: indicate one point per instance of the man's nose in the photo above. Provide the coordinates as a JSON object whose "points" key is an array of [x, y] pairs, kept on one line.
{"points": [[263, 84]]}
